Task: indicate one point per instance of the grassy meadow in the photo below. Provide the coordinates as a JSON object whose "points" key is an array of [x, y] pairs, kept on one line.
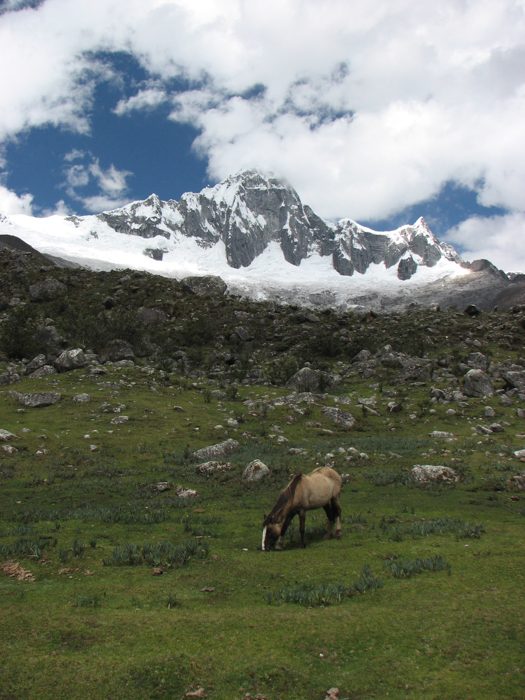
{"points": [[421, 598]]}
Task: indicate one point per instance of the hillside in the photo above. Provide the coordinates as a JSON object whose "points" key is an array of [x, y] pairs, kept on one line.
{"points": [[134, 412]]}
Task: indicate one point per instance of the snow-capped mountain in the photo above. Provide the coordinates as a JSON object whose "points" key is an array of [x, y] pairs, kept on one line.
{"points": [[255, 233]]}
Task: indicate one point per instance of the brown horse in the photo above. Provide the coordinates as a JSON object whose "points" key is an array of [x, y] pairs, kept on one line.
{"points": [[319, 489]]}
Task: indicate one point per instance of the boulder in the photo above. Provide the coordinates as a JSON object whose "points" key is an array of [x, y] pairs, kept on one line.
{"points": [[341, 418], [6, 435], [202, 286], [150, 316], [476, 383], [305, 380], [116, 350], [255, 471], [221, 449], [71, 359], [36, 363], [47, 290], [428, 473], [37, 400]]}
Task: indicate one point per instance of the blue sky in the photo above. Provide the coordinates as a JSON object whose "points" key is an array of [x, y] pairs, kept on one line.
{"points": [[380, 113]]}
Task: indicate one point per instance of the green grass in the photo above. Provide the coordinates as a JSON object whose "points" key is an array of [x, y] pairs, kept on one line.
{"points": [[91, 527]]}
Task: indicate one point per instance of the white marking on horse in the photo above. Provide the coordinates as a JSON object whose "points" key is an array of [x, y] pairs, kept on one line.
{"points": [[263, 538]]}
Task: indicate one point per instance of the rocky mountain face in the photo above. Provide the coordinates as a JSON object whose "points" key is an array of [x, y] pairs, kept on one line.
{"points": [[248, 211]]}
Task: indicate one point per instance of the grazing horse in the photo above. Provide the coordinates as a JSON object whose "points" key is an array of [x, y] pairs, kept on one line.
{"points": [[319, 489]]}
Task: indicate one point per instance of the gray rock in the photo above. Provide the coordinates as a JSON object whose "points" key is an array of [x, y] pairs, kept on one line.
{"points": [[305, 380], [489, 412], [477, 360], [6, 435], [406, 268], [342, 419], [255, 471], [150, 317], [36, 400], [207, 284], [43, 371], [47, 290], [477, 383], [220, 449], [212, 467], [81, 398], [36, 363], [516, 482], [428, 473], [441, 435], [515, 379], [117, 350], [71, 359]]}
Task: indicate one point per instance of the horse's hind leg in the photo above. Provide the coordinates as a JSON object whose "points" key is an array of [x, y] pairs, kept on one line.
{"points": [[337, 516], [333, 513]]}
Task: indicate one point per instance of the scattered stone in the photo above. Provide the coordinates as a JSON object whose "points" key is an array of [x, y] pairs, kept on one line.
{"points": [[520, 454], [342, 419], [161, 486], [496, 428], [221, 449], [9, 449], [185, 493], [255, 471], [81, 398], [483, 430], [38, 400], [157, 571], [441, 435], [489, 412], [477, 383], [6, 435], [210, 468], [119, 420], [394, 407], [428, 473]]}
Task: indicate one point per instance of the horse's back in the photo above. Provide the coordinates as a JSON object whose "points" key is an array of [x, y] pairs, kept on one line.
{"points": [[319, 487]]}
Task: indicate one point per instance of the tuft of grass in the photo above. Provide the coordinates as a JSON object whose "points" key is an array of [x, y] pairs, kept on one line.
{"points": [[406, 568], [157, 554], [397, 531], [87, 601], [323, 594]]}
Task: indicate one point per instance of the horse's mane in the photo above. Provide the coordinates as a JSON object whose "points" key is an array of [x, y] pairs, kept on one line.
{"points": [[285, 497]]}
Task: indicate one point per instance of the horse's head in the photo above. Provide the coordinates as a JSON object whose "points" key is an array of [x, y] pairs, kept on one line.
{"points": [[270, 535]]}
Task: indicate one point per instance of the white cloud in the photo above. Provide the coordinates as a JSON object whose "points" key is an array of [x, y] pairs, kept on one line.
{"points": [[365, 107], [12, 203], [110, 182], [500, 239], [145, 99]]}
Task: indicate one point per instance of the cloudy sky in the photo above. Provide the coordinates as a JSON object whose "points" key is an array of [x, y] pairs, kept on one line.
{"points": [[379, 110]]}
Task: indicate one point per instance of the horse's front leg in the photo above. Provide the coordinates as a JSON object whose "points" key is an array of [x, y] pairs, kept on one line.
{"points": [[302, 521]]}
